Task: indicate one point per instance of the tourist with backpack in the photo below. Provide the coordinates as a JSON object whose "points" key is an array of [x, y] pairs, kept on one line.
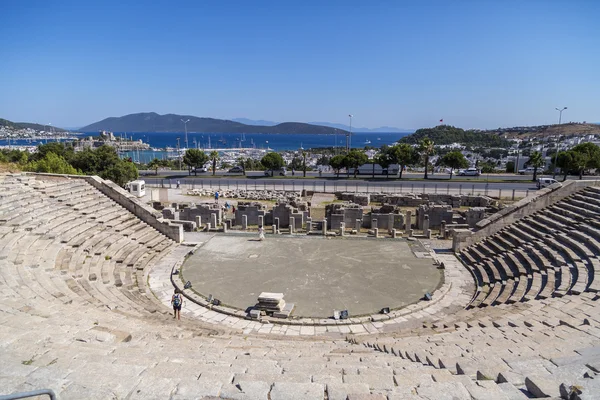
{"points": [[177, 302]]}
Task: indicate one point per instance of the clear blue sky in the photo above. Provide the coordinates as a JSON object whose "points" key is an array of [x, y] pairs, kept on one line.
{"points": [[474, 63]]}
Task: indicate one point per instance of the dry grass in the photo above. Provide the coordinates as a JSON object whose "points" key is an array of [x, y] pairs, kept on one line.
{"points": [[563, 129], [6, 168]]}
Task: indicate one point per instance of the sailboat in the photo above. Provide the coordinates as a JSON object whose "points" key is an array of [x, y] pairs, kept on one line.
{"points": [[301, 147], [367, 141]]}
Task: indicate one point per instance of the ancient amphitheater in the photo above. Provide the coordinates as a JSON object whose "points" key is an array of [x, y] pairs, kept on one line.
{"points": [[86, 279]]}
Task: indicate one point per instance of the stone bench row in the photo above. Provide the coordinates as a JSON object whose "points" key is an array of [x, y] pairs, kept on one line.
{"points": [[566, 258]]}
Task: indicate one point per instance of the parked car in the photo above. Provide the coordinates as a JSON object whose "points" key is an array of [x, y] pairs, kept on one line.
{"points": [[544, 182], [527, 171], [200, 169], [280, 172], [469, 172], [236, 170]]}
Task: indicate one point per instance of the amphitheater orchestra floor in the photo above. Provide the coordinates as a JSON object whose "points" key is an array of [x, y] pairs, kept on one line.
{"points": [[316, 274]]}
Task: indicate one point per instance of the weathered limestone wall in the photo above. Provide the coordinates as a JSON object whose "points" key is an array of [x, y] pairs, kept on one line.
{"points": [[436, 213], [346, 213], [416, 199], [251, 210]]}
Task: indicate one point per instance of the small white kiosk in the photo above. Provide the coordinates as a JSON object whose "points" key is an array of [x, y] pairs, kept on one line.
{"points": [[137, 188]]}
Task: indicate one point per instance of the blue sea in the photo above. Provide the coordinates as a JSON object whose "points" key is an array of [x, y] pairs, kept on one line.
{"points": [[277, 142]]}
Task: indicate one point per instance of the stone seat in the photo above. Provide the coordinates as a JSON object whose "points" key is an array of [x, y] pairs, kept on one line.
{"points": [[586, 210], [498, 246], [519, 268], [566, 211], [507, 291], [548, 280], [519, 290], [558, 216]]}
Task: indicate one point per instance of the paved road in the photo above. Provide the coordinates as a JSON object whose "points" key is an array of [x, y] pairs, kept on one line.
{"points": [[496, 189], [407, 175]]}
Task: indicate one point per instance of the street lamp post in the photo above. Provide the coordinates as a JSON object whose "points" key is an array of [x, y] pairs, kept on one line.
{"points": [[186, 138], [178, 154], [348, 135], [560, 110]]}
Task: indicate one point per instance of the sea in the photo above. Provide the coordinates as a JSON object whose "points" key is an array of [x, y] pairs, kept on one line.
{"points": [[159, 142]]}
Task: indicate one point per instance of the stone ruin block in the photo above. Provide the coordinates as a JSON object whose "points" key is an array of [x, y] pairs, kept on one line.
{"points": [[251, 210], [170, 213], [437, 214], [362, 199], [283, 211], [348, 213], [203, 210], [387, 221], [474, 215]]}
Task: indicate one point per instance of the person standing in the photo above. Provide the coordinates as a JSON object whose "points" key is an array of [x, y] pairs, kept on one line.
{"points": [[177, 302], [178, 183], [217, 197], [261, 233]]}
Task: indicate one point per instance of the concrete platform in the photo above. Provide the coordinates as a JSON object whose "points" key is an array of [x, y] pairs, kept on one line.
{"points": [[319, 275]]}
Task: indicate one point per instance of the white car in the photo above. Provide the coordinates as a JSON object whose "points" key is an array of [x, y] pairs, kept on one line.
{"points": [[469, 172], [543, 182], [526, 171]]}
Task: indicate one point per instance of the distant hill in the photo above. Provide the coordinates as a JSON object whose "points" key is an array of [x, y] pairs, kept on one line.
{"points": [[153, 122], [383, 129], [26, 125], [260, 122], [447, 134], [568, 129]]}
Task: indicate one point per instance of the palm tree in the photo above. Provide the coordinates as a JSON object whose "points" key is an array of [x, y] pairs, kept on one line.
{"points": [[304, 163], [214, 156], [426, 150], [536, 161], [241, 161]]}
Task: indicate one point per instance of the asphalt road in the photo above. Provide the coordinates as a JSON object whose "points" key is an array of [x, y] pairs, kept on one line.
{"points": [[405, 175], [340, 185]]}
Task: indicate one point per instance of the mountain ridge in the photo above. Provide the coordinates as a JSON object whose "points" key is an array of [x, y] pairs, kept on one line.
{"points": [[30, 125], [153, 122], [381, 129]]}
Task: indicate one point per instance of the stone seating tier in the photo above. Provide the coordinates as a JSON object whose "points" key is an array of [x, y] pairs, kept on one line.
{"points": [[71, 314], [554, 250]]}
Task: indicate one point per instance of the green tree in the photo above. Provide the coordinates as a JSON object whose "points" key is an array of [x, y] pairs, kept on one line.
{"points": [[64, 150], [214, 157], [569, 161], [426, 149], [272, 161], [536, 160], [454, 160], [154, 164], [403, 155], [105, 162], [488, 167], [120, 172], [510, 167], [590, 156], [242, 162], [194, 158], [354, 159], [337, 163], [53, 164]]}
